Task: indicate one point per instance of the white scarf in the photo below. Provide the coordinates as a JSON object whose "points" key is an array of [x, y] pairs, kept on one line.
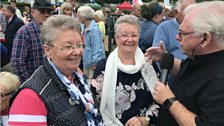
{"points": [[107, 104]]}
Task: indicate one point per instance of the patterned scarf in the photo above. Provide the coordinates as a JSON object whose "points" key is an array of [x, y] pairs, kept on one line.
{"points": [[76, 95]]}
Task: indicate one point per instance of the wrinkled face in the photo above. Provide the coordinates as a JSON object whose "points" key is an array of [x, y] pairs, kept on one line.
{"points": [[67, 11], [189, 40], [127, 38], [65, 51], [41, 15]]}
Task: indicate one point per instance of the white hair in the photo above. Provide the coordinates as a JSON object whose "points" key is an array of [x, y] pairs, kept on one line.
{"points": [[100, 15], [210, 19]]}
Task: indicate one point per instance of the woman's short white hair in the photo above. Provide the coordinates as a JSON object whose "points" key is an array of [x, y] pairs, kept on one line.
{"points": [[9, 81], [56, 24], [100, 15], [87, 12]]}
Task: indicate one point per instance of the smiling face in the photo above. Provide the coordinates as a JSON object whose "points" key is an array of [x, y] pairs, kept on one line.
{"points": [[65, 58], [127, 38]]}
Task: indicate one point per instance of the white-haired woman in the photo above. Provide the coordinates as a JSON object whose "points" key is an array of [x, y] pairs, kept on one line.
{"points": [[123, 82], [57, 93], [9, 83], [92, 38], [99, 18]]}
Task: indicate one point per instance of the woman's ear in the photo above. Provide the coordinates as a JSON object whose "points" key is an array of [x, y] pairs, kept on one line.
{"points": [[46, 49]]}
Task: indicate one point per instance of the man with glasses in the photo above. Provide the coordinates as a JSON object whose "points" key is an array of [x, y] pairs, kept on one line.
{"points": [[196, 97], [27, 52], [167, 31]]}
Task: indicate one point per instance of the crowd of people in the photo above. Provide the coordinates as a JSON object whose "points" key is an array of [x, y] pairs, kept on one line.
{"points": [[56, 68]]}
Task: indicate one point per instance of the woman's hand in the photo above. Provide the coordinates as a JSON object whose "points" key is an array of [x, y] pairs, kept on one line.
{"points": [[137, 121], [161, 92], [154, 53]]}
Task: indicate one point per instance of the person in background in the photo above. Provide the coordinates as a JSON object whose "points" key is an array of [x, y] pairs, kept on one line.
{"points": [[136, 10], [27, 52], [165, 18], [4, 54], [152, 14], [99, 18], [3, 21], [9, 83], [13, 25], [166, 33], [66, 9], [57, 93], [18, 12], [92, 38], [27, 14], [74, 6], [196, 97], [123, 81]]}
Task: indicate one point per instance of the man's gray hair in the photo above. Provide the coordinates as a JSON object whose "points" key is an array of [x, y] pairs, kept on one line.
{"points": [[56, 24], [210, 19], [129, 19]]}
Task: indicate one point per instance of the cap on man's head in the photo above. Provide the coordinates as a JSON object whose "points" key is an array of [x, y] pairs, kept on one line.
{"points": [[42, 4], [13, 1]]}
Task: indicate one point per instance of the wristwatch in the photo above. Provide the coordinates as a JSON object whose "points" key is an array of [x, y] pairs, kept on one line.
{"points": [[147, 118], [168, 102]]}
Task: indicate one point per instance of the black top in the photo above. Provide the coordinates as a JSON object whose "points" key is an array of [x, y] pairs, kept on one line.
{"points": [[199, 86], [133, 97]]}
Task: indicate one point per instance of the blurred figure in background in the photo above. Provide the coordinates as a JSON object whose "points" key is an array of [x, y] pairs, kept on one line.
{"points": [[152, 15], [92, 38], [13, 25], [99, 18], [66, 9], [18, 12], [27, 53], [136, 10], [27, 17], [9, 83]]}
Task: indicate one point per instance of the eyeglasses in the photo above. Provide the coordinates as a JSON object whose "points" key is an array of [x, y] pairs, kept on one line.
{"points": [[69, 47], [3, 95], [43, 11], [126, 36], [181, 34]]}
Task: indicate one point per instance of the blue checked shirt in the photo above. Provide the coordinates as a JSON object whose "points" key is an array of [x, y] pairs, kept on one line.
{"points": [[27, 52]]}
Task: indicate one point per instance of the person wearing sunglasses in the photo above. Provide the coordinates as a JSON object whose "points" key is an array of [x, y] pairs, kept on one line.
{"points": [[9, 83], [27, 52]]}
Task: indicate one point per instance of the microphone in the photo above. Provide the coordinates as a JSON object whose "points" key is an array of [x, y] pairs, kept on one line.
{"points": [[166, 63]]}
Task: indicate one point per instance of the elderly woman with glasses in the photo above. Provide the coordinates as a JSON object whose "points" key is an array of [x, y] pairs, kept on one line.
{"points": [[8, 84], [57, 93], [124, 81]]}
